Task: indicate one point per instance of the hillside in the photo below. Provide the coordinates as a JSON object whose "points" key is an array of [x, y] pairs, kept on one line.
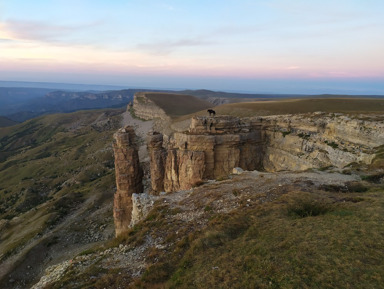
{"points": [[6, 122], [294, 106], [336, 105], [319, 228], [178, 104], [66, 101], [23, 103], [256, 230], [57, 180]]}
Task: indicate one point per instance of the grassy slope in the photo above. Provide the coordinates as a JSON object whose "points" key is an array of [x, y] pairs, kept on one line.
{"points": [[49, 166], [6, 122], [311, 238], [292, 106], [304, 105], [262, 246], [265, 247], [178, 104]]}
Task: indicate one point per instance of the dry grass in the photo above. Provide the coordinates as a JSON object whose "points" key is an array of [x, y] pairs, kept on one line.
{"points": [[318, 239], [267, 247], [178, 104], [303, 106], [304, 237], [294, 106]]}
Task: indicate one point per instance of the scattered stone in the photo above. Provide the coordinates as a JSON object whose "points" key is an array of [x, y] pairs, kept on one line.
{"points": [[237, 171]]}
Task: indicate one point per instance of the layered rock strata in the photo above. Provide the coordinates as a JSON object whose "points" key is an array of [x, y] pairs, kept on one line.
{"points": [[157, 156], [300, 142], [211, 148], [129, 175], [146, 109], [214, 146]]}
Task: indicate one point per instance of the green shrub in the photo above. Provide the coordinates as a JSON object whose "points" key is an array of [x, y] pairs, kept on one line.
{"points": [[303, 208], [356, 187], [286, 133], [375, 178], [332, 144], [304, 136]]}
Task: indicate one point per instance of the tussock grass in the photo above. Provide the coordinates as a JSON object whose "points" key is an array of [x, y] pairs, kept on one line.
{"points": [[305, 205], [311, 239], [350, 187], [328, 244], [374, 178]]}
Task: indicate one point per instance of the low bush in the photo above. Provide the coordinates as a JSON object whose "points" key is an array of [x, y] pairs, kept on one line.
{"points": [[308, 208], [375, 178]]}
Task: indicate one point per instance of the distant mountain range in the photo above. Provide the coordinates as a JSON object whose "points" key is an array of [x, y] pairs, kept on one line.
{"points": [[20, 101], [20, 104], [61, 86]]}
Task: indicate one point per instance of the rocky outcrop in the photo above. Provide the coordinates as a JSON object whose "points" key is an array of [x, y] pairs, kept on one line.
{"points": [[157, 156], [215, 147], [129, 175], [141, 205], [184, 169], [146, 109], [211, 148], [300, 142]]}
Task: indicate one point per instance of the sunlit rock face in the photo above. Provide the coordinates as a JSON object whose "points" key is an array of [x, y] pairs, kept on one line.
{"points": [[214, 146], [211, 148], [300, 142], [146, 109]]}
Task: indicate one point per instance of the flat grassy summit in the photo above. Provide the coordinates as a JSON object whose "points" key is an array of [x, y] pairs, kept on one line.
{"points": [[293, 106], [178, 104]]}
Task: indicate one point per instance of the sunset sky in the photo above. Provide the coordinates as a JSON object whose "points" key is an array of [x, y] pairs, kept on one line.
{"points": [[276, 46]]}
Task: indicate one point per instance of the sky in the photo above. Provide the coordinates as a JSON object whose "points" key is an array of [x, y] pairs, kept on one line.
{"points": [[264, 46]]}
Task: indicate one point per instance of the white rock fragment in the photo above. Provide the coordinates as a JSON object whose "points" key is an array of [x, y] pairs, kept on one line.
{"points": [[237, 171]]}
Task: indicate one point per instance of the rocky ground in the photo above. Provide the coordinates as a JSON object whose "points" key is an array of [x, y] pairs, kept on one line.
{"points": [[191, 209]]}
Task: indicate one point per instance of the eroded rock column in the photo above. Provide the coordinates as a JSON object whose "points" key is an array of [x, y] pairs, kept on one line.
{"points": [[157, 155], [129, 177]]}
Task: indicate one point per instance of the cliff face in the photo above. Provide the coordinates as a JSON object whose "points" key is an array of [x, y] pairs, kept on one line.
{"points": [[146, 109], [299, 142], [213, 146], [129, 176]]}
